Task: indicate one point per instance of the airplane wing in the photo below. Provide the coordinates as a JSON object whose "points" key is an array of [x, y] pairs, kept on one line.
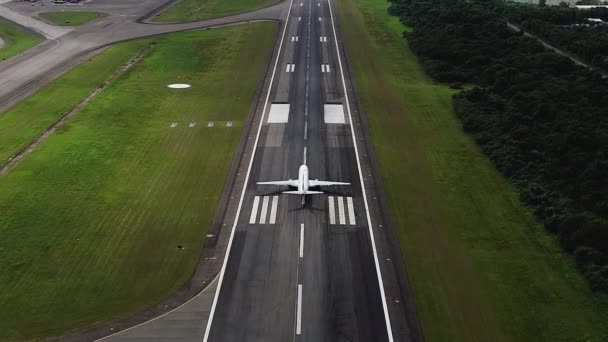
{"points": [[324, 183], [290, 182]]}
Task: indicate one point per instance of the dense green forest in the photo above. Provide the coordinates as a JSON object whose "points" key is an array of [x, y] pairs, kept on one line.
{"points": [[540, 118], [566, 27]]}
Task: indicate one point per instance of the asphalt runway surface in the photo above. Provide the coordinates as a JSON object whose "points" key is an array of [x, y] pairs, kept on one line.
{"points": [[303, 272]]}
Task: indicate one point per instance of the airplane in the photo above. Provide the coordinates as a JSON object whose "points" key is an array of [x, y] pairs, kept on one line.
{"points": [[303, 183]]}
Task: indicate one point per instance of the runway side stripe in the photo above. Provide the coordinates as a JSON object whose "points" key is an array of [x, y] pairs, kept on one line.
{"points": [[238, 211], [299, 314], [351, 210], [387, 319], [254, 210], [341, 215], [332, 210], [273, 210], [264, 210]]}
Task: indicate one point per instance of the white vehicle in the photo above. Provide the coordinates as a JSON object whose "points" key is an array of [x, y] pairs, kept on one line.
{"points": [[303, 183]]}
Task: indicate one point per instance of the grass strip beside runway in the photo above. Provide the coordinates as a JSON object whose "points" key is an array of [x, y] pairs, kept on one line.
{"points": [[30, 118], [192, 10], [481, 267], [71, 18], [16, 39], [92, 220]]}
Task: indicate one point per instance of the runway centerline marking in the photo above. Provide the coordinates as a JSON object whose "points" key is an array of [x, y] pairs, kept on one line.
{"points": [[299, 314], [238, 211], [387, 318], [254, 210], [301, 240]]}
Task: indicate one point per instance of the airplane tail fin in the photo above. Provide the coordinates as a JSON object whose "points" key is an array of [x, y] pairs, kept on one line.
{"points": [[297, 192]]}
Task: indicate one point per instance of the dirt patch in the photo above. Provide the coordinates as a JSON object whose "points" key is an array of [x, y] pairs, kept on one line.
{"points": [[6, 167]]}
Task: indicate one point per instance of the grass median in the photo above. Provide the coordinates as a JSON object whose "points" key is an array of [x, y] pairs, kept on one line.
{"points": [[16, 39], [481, 267], [71, 18], [191, 10], [92, 220]]}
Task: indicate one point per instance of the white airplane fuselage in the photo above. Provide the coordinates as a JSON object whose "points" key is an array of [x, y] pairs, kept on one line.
{"points": [[303, 179]]}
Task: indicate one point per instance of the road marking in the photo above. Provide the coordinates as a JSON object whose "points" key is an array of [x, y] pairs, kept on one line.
{"points": [[299, 316], [288, 67], [301, 4], [341, 215], [293, 67], [238, 211], [299, 18], [333, 114], [351, 211], [322, 67], [279, 113], [332, 211], [273, 210], [306, 130], [294, 38], [387, 318], [327, 67], [323, 39], [302, 240], [319, 18], [254, 210], [304, 158], [264, 210]]}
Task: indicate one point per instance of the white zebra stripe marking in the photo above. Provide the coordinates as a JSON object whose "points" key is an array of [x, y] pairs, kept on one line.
{"points": [[254, 210], [273, 210]]}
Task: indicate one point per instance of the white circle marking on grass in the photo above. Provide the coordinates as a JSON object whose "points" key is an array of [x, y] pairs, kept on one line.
{"points": [[179, 86]]}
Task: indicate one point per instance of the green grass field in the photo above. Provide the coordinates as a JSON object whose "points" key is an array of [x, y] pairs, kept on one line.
{"points": [[91, 220], [191, 10], [16, 39], [71, 18], [481, 267], [24, 122]]}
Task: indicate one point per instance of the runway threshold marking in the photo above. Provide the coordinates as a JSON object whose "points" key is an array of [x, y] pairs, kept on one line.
{"points": [[241, 200], [343, 210], [299, 314], [254, 210], [273, 210], [264, 210], [387, 318], [332, 210]]}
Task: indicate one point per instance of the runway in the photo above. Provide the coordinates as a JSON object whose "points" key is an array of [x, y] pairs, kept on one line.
{"points": [[296, 272]]}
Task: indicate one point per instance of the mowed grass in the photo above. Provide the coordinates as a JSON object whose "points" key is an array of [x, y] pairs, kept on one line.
{"points": [[16, 39], [71, 18], [31, 117], [191, 10], [481, 267], [91, 221]]}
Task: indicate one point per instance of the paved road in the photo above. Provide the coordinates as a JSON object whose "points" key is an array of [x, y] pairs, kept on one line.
{"points": [[21, 75]]}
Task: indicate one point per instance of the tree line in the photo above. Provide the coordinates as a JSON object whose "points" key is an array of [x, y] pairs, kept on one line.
{"points": [[541, 119], [566, 27]]}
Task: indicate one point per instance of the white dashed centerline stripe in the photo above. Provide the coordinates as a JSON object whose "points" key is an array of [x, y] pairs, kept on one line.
{"points": [[302, 240], [273, 210], [238, 210], [332, 210], [387, 318], [341, 215], [351, 210], [264, 210], [254, 210], [299, 314]]}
